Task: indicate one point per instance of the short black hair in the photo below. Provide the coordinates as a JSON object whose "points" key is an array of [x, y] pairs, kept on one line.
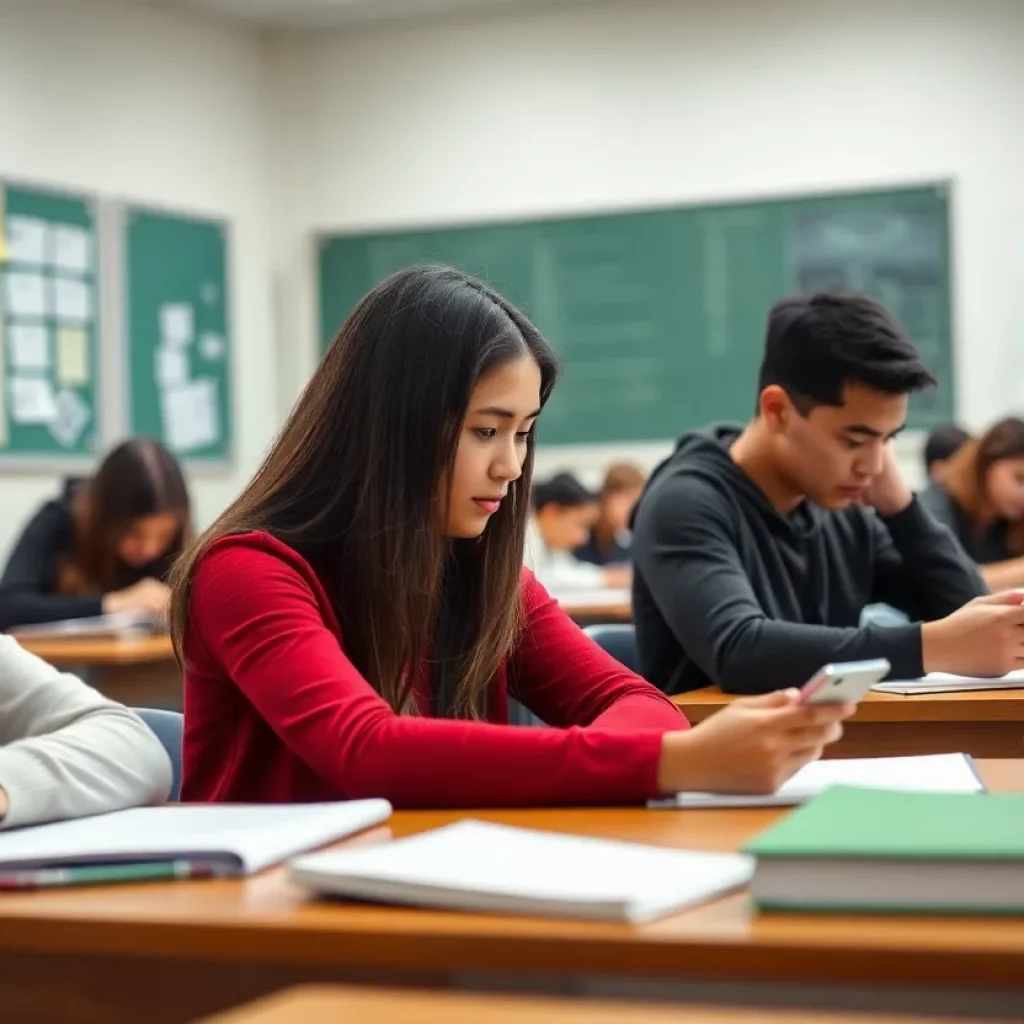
{"points": [[818, 344], [943, 443], [564, 490]]}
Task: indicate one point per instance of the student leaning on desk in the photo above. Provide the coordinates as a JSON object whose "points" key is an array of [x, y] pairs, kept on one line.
{"points": [[353, 625], [104, 546], [757, 548], [66, 751]]}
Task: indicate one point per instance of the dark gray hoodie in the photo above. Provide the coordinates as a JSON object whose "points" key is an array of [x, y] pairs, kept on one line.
{"points": [[727, 590]]}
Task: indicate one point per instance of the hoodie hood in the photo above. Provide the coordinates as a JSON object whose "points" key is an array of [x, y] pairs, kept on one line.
{"points": [[705, 454]]}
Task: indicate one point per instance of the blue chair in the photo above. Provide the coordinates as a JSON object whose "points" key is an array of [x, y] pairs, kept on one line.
{"points": [[619, 641], [168, 727]]}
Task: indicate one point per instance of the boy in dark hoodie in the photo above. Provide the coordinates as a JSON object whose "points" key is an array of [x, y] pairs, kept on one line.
{"points": [[757, 548]]}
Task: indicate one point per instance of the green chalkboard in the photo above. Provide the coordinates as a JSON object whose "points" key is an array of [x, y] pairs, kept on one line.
{"points": [[178, 334], [49, 326], [659, 315]]}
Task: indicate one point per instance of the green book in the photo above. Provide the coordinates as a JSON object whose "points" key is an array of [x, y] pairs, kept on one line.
{"points": [[874, 850]]}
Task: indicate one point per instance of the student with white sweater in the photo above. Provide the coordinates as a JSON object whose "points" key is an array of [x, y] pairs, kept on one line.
{"points": [[66, 751]]}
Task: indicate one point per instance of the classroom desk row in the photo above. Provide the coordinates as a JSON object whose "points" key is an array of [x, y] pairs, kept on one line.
{"points": [[169, 952]]}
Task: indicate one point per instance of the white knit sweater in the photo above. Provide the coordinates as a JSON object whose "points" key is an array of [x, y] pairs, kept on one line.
{"points": [[66, 751]]}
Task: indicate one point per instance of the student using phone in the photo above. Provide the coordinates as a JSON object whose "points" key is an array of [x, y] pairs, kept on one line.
{"points": [[756, 548], [66, 751], [981, 499], [105, 546], [354, 623]]}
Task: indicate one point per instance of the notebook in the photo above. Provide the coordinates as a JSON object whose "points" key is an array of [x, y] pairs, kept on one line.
{"points": [[934, 773], [237, 839], [477, 866], [116, 626], [945, 682], [887, 851]]}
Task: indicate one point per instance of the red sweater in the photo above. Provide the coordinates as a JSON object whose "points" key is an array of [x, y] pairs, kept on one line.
{"points": [[275, 711]]}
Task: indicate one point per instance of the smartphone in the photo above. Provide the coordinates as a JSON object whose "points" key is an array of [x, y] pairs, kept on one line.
{"points": [[844, 682]]}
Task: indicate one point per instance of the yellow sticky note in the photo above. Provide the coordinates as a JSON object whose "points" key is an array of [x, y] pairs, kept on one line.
{"points": [[72, 356]]}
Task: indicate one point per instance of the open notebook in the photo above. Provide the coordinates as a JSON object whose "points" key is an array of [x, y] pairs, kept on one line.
{"points": [[945, 682], [117, 626], [927, 773], [237, 839], [477, 866]]}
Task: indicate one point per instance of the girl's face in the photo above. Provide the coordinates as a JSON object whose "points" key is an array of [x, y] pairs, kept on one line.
{"points": [[147, 538], [502, 410], [1005, 484]]}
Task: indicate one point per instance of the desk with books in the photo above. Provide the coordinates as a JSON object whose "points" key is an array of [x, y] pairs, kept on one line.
{"points": [[140, 671], [170, 952], [984, 723]]}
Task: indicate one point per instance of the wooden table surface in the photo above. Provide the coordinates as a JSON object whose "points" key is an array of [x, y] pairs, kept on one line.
{"points": [[985, 723], [333, 1004], [269, 925]]}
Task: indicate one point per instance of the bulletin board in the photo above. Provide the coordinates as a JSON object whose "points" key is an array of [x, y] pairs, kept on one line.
{"points": [[49, 325], [177, 332]]}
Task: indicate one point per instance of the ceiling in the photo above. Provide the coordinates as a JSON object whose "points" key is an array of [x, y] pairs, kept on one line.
{"points": [[322, 13]]}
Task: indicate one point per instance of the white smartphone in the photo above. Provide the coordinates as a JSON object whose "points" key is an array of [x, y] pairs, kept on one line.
{"points": [[844, 682]]}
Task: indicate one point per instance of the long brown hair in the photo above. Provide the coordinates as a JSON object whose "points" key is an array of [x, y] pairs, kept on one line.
{"points": [[138, 478], [967, 475], [354, 483]]}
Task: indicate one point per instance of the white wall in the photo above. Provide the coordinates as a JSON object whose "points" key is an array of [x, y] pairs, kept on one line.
{"points": [[658, 101], [105, 96]]}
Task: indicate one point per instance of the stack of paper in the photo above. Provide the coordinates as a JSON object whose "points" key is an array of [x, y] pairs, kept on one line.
{"points": [[945, 682], [116, 626], [928, 773], [473, 865]]}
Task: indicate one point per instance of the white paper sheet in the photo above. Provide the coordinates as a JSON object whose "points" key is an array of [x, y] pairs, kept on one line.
{"points": [[946, 682], [72, 301], [26, 295], [32, 400], [72, 356], [475, 865], [171, 367], [71, 419], [928, 773], [176, 324], [190, 415], [29, 347], [72, 249], [27, 240]]}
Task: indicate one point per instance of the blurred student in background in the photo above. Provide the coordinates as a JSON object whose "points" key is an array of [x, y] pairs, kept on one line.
{"points": [[105, 545], [981, 499], [942, 444], [564, 514], [610, 536]]}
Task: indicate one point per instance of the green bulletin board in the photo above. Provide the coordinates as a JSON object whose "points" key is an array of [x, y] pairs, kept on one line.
{"points": [[177, 332], [49, 325]]}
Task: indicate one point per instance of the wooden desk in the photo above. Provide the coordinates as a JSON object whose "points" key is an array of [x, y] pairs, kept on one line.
{"points": [[169, 952], [592, 607], [333, 1004], [138, 671], [985, 723]]}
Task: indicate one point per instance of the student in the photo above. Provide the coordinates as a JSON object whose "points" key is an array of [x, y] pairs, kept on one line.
{"points": [[564, 511], [756, 548], [942, 444], [104, 546], [981, 499], [610, 537], [65, 750], [353, 624]]}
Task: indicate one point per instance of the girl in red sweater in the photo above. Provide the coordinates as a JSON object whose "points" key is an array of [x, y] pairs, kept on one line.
{"points": [[353, 625]]}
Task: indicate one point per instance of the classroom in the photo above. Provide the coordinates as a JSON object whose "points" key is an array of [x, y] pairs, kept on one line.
{"points": [[511, 508]]}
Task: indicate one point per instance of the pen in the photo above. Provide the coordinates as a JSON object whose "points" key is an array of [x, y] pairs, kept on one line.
{"points": [[101, 874]]}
